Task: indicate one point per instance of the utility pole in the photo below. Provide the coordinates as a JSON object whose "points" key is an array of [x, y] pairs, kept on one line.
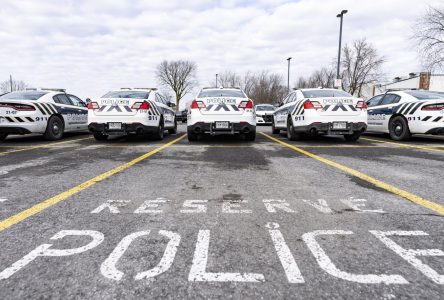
{"points": [[10, 81], [341, 16], [288, 75], [216, 79]]}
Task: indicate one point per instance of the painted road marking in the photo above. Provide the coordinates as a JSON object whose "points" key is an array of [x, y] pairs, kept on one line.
{"points": [[436, 207], [43, 146], [405, 145], [23, 215]]}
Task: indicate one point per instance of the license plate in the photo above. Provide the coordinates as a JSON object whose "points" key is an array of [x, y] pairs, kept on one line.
{"points": [[115, 125], [339, 125], [222, 125]]}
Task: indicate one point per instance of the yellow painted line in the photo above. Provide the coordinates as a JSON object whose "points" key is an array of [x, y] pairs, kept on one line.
{"points": [[23, 215], [388, 187], [405, 145], [42, 146]]}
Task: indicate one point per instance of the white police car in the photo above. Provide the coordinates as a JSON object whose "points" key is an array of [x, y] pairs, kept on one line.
{"points": [[50, 112], [221, 111], [403, 113], [264, 113], [321, 111], [131, 110]]}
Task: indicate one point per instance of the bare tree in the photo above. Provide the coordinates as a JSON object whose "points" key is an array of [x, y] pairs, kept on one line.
{"points": [[229, 79], [324, 77], [265, 87], [17, 85], [178, 75], [361, 65], [429, 35]]}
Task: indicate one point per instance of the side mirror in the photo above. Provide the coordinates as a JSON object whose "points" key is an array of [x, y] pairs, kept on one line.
{"points": [[171, 104], [88, 100]]}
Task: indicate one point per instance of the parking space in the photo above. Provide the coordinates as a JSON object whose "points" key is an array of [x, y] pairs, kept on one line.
{"points": [[266, 219]]}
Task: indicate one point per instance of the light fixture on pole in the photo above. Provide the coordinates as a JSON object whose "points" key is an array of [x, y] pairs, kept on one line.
{"points": [[338, 79], [288, 75]]}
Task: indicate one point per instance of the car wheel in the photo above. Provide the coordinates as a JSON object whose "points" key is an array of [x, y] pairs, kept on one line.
{"points": [[192, 137], [291, 134], [174, 129], [3, 136], [274, 130], [251, 136], [352, 137], [100, 136], [54, 129], [399, 129], [160, 133]]}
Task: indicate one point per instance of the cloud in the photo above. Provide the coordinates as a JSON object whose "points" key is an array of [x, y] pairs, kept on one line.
{"points": [[90, 47]]}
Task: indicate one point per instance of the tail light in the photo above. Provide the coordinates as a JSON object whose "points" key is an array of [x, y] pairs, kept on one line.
{"points": [[20, 107], [197, 104], [246, 104], [312, 105], [433, 107], [361, 105], [93, 105], [141, 105]]}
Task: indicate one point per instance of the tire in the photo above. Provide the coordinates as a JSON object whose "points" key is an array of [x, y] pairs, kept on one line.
{"points": [[100, 136], [54, 129], [251, 136], [291, 134], [3, 136], [160, 134], [352, 137], [274, 130], [174, 129], [192, 137], [399, 129]]}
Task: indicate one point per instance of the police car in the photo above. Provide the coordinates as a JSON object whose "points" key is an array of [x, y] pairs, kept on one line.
{"points": [[50, 112], [221, 111], [131, 110], [407, 112], [321, 111], [264, 113]]}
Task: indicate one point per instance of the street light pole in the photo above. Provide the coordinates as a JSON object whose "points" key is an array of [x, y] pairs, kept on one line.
{"points": [[288, 75], [216, 79], [341, 15]]}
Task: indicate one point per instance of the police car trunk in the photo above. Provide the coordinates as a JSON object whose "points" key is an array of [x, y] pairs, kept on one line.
{"points": [[19, 117]]}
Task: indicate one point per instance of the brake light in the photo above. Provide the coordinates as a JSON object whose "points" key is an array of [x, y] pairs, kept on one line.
{"points": [[141, 105], [20, 107], [197, 104], [246, 104], [433, 107], [361, 105], [93, 105], [312, 105]]}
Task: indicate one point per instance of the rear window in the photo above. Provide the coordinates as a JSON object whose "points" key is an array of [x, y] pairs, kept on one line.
{"points": [[127, 94], [23, 95], [265, 108], [423, 95], [221, 93], [325, 93]]}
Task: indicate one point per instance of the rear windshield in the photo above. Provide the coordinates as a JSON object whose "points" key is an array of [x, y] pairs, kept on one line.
{"points": [[325, 93], [265, 108], [127, 94], [221, 93], [23, 95], [423, 95]]}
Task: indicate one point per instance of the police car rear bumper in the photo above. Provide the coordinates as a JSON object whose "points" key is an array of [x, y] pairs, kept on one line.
{"points": [[327, 128], [14, 130], [235, 128], [126, 128]]}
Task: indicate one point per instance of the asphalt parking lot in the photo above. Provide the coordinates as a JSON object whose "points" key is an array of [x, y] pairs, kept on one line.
{"points": [[222, 218]]}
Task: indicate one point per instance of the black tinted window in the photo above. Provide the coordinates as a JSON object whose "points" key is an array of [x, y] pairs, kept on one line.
{"points": [[265, 108], [374, 101], [76, 101], [24, 95], [62, 99], [324, 93], [221, 93], [127, 94], [390, 99]]}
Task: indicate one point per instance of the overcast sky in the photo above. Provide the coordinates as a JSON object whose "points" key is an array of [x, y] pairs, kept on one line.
{"points": [[90, 47]]}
